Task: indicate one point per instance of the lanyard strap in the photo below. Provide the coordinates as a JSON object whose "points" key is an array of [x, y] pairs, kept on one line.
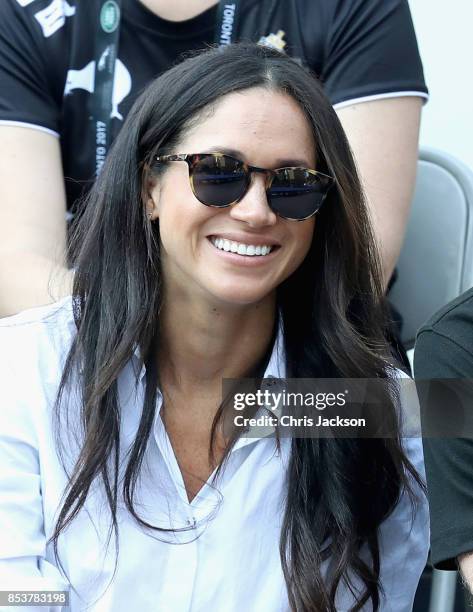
{"points": [[227, 22], [105, 52]]}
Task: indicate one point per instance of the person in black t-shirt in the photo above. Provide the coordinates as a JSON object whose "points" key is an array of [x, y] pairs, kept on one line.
{"points": [[364, 51], [444, 349]]}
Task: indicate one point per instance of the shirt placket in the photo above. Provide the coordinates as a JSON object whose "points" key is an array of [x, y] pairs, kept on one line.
{"points": [[181, 568]]}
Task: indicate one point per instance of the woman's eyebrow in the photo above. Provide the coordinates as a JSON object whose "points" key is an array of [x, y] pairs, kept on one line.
{"points": [[279, 163]]}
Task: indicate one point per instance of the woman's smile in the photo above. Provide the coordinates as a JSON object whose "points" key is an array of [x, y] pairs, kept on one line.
{"points": [[240, 248], [241, 254]]}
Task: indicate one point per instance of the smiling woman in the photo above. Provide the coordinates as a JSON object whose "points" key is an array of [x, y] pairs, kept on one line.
{"points": [[226, 237]]}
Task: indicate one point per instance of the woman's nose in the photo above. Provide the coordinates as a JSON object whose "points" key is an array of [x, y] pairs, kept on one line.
{"points": [[253, 208]]}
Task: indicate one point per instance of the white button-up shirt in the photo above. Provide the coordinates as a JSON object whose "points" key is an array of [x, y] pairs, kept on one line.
{"points": [[226, 559]]}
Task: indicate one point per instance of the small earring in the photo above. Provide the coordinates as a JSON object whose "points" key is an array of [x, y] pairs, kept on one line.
{"points": [[150, 214]]}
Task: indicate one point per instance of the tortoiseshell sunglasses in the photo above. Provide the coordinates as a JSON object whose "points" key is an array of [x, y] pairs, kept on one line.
{"points": [[220, 180]]}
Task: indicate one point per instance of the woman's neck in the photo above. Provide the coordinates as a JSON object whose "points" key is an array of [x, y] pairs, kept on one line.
{"points": [[178, 10], [205, 343]]}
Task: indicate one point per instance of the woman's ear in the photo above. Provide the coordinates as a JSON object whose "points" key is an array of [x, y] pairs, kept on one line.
{"points": [[152, 199]]}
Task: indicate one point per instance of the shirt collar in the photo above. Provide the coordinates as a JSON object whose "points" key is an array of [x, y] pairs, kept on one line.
{"points": [[138, 365]]}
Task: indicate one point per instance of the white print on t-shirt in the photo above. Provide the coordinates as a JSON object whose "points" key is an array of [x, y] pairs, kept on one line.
{"points": [[53, 17], [85, 79], [24, 2]]}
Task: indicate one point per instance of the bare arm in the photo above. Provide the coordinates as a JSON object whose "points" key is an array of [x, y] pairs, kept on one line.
{"points": [[32, 220], [384, 137]]}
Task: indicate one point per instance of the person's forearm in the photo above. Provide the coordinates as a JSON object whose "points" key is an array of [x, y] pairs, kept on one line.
{"points": [[28, 280], [383, 135]]}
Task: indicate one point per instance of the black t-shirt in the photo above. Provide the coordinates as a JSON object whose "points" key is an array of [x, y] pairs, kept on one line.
{"points": [[358, 48], [444, 349]]}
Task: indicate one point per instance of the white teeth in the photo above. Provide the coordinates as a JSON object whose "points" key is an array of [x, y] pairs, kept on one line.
{"points": [[242, 249]]}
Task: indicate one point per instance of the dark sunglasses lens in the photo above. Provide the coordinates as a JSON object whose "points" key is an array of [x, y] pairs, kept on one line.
{"points": [[296, 193], [218, 180]]}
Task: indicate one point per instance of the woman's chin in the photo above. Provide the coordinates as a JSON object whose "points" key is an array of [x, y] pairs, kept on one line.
{"points": [[241, 296]]}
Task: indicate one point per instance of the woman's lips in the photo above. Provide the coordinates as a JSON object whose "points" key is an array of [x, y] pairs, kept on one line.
{"points": [[251, 249], [243, 253]]}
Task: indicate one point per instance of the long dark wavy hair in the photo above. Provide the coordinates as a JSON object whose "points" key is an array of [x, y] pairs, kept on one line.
{"points": [[339, 491]]}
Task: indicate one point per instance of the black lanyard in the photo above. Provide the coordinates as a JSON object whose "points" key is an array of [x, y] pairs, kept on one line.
{"points": [[106, 52], [227, 22], [105, 55]]}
